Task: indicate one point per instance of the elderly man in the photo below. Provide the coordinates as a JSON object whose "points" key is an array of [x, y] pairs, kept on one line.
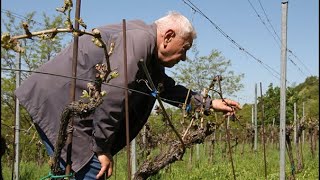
{"points": [[96, 139]]}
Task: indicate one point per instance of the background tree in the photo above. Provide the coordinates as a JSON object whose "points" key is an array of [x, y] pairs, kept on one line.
{"points": [[306, 92], [245, 114], [271, 102]]}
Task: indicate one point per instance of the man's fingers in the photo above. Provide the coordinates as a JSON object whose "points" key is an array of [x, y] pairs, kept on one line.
{"points": [[106, 162], [102, 170], [233, 104], [228, 108], [225, 105], [110, 170]]}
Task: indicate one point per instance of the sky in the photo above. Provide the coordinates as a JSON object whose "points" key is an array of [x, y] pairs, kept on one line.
{"points": [[254, 25]]}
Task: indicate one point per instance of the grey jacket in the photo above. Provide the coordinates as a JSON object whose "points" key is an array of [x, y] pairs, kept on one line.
{"points": [[45, 96]]}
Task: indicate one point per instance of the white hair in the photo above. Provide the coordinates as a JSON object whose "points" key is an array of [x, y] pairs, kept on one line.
{"points": [[176, 20]]}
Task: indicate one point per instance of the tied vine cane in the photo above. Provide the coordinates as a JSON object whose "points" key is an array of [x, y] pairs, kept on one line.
{"points": [[211, 87]]}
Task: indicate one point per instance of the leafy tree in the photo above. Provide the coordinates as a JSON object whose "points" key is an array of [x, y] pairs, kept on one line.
{"points": [[271, 101], [305, 93], [308, 94], [246, 113]]}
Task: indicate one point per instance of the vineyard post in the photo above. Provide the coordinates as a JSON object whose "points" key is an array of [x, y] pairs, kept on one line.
{"points": [[263, 133], [283, 79], [252, 125], [298, 145], [295, 124], [73, 87], [252, 115], [17, 122], [126, 96], [219, 78], [255, 118], [303, 118], [272, 131], [229, 146], [133, 157], [144, 131]]}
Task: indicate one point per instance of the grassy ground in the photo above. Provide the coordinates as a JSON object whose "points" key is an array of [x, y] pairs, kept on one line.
{"points": [[248, 165]]}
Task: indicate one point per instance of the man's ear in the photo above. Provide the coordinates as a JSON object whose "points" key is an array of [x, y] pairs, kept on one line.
{"points": [[168, 36]]}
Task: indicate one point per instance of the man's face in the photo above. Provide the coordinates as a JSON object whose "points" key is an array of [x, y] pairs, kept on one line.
{"points": [[173, 48]]}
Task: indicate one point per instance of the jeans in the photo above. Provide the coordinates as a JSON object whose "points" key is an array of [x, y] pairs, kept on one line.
{"points": [[88, 172]]}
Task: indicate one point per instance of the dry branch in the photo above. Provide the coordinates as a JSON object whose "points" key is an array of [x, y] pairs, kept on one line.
{"points": [[91, 99], [174, 153], [74, 109]]}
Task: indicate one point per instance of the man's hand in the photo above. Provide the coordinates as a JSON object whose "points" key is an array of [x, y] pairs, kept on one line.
{"points": [[226, 106], [106, 162]]}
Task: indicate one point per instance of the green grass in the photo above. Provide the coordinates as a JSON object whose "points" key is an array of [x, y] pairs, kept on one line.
{"points": [[248, 166], [27, 171]]}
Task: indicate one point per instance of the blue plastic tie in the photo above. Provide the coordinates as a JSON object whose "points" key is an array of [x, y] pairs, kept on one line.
{"points": [[188, 108], [154, 93]]}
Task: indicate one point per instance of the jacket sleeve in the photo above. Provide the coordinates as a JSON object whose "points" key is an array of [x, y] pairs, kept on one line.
{"points": [[177, 94]]}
